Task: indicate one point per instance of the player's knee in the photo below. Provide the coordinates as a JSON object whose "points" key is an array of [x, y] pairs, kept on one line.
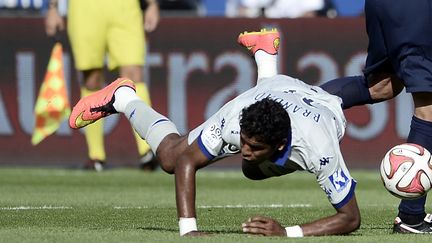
{"points": [[168, 168], [384, 86], [134, 72], [423, 105], [166, 165], [93, 79], [169, 151]]}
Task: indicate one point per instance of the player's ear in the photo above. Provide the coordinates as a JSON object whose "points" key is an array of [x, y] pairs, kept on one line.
{"points": [[282, 144]]}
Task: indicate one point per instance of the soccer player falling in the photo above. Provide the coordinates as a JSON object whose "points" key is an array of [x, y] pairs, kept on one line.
{"points": [[279, 126]]}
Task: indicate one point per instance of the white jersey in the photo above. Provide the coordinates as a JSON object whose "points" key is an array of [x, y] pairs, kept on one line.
{"points": [[317, 125]]}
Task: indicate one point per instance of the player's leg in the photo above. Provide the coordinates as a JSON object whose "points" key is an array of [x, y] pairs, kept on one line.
{"points": [[409, 47], [147, 159], [264, 46], [151, 126], [412, 212], [421, 123], [378, 83], [357, 90], [126, 45], [412, 217], [86, 22], [93, 80], [352, 90], [159, 132]]}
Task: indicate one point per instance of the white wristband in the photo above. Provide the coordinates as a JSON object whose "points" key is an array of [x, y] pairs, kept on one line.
{"points": [[294, 231], [187, 225]]}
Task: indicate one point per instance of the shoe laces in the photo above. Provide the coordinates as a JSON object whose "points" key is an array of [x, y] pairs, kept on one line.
{"points": [[105, 109]]}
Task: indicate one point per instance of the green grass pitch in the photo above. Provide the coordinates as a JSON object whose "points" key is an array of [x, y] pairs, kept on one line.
{"points": [[128, 205]]}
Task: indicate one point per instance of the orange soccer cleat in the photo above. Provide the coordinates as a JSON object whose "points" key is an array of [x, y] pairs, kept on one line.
{"points": [[266, 40], [100, 104]]}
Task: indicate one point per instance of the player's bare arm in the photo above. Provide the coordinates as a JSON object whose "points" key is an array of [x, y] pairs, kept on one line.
{"points": [[151, 16], [187, 164], [346, 220]]}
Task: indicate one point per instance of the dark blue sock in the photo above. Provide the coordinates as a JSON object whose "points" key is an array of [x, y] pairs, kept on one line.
{"points": [[353, 90], [413, 211]]}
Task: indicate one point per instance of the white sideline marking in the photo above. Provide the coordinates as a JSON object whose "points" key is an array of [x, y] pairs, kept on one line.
{"points": [[139, 207], [35, 208], [258, 206], [234, 206]]}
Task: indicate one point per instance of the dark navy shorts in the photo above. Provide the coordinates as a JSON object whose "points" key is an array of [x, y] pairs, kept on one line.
{"points": [[400, 41]]}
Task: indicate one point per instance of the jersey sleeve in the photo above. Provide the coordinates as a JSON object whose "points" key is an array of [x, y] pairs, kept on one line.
{"points": [[331, 172], [339, 186], [210, 139], [209, 135], [219, 136]]}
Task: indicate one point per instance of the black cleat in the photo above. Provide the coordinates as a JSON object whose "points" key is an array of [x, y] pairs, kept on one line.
{"points": [[425, 227]]}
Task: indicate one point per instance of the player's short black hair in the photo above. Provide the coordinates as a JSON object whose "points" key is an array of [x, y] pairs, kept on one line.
{"points": [[266, 121]]}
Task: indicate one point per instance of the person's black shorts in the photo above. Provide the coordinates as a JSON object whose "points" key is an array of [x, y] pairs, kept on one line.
{"points": [[400, 41]]}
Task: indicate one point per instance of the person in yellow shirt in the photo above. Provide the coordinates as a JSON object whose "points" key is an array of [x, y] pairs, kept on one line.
{"points": [[112, 28]]}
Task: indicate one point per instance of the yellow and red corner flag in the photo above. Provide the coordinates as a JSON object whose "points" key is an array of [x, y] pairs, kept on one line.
{"points": [[52, 105]]}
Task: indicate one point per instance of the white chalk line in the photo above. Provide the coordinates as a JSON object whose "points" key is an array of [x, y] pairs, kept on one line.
{"points": [[234, 206], [33, 208], [258, 206], [126, 207], [47, 207]]}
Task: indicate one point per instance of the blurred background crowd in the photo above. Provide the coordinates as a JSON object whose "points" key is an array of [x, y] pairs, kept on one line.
{"points": [[217, 8]]}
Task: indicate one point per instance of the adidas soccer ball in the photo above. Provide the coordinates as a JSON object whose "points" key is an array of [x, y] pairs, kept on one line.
{"points": [[406, 171]]}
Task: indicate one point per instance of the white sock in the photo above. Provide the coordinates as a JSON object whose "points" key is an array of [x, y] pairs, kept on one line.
{"points": [[148, 123], [123, 96], [266, 64]]}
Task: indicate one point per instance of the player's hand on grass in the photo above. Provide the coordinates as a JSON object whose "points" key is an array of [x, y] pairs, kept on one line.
{"points": [[265, 226], [196, 233]]}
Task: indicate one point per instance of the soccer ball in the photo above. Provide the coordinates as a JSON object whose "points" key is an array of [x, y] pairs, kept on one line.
{"points": [[406, 171]]}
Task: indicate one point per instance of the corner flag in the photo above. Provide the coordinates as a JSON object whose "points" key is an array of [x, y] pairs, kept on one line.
{"points": [[52, 105]]}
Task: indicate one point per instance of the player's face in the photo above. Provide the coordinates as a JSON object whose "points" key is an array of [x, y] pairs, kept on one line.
{"points": [[254, 151]]}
